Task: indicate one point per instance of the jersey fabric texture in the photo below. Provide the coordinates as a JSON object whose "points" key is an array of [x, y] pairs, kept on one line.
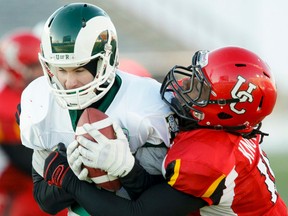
{"points": [[9, 130], [137, 108], [230, 173]]}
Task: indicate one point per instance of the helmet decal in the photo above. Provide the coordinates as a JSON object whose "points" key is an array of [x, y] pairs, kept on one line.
{"points": [[242, 95], [233, 89], [63, 32]]}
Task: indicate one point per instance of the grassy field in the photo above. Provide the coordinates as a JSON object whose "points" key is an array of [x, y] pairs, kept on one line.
{"points": [[279, 164]]}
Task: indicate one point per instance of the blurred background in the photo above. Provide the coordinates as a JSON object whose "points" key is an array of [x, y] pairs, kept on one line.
{"points": [[155, 35]]}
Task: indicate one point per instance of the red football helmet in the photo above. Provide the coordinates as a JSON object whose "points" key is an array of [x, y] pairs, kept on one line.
{"points": [[230, 88], [133, 67], [19, 57]]}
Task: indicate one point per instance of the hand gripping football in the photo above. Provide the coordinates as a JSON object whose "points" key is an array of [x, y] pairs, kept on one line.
{"points": [[102, 122]]}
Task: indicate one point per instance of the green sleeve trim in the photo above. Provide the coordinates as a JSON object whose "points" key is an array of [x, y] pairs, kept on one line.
{"points": [[77, 209]]}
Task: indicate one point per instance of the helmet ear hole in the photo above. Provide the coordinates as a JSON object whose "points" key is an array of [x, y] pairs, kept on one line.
{"points": [[240, 65], [260, 104], [265, 74], [223, 115]]}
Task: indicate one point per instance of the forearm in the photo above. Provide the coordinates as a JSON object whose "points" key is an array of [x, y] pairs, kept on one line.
{"points": [[50, 198], [138, 180], [160, 199]]}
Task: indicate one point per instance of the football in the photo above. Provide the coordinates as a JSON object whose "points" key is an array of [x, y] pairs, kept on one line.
{"points": [[102, 122]]}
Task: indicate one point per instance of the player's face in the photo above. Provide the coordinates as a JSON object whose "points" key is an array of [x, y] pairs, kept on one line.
{"points": [[199, 92], [72, 78]]}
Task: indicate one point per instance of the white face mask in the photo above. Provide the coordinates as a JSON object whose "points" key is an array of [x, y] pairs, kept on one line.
{"points": [[82, 97]]}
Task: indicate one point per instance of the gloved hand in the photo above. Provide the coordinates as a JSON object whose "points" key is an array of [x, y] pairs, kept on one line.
{"points": [[56, 167], [75, 162], [111, 155]]}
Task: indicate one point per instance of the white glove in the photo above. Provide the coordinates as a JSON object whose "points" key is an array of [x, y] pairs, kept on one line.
{"points": [[111, 155], [75, 162]]}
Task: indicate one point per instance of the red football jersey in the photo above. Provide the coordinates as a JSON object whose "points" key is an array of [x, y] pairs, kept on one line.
{"points": [[9, 130], [230, 173]]}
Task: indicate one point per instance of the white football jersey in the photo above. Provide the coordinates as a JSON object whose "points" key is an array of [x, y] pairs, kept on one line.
{"points": [[137, 108]]}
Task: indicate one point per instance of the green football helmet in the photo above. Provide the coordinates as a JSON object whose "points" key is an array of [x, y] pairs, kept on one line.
{"points": [[74, 35]]}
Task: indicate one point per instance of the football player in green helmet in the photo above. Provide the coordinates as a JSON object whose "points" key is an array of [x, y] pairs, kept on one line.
{"points": [[79, 57]]}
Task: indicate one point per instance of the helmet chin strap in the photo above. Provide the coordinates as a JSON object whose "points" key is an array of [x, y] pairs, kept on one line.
{"points": [[186, 121], [254, 132], [236, 130], [180, 110]]}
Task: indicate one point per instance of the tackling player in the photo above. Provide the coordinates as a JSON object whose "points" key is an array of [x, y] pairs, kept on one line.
{"points": [[80, 58], [215, 165]]}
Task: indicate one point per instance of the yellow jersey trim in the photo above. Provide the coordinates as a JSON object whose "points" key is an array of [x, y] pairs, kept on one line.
{"points": [[175, 175], [213, 186]]}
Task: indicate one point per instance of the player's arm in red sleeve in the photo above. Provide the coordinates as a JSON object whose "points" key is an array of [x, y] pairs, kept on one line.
{"points": [[197, 179]]}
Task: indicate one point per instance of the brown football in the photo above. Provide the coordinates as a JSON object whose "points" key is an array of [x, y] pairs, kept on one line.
{"points": [[101, 121]]}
